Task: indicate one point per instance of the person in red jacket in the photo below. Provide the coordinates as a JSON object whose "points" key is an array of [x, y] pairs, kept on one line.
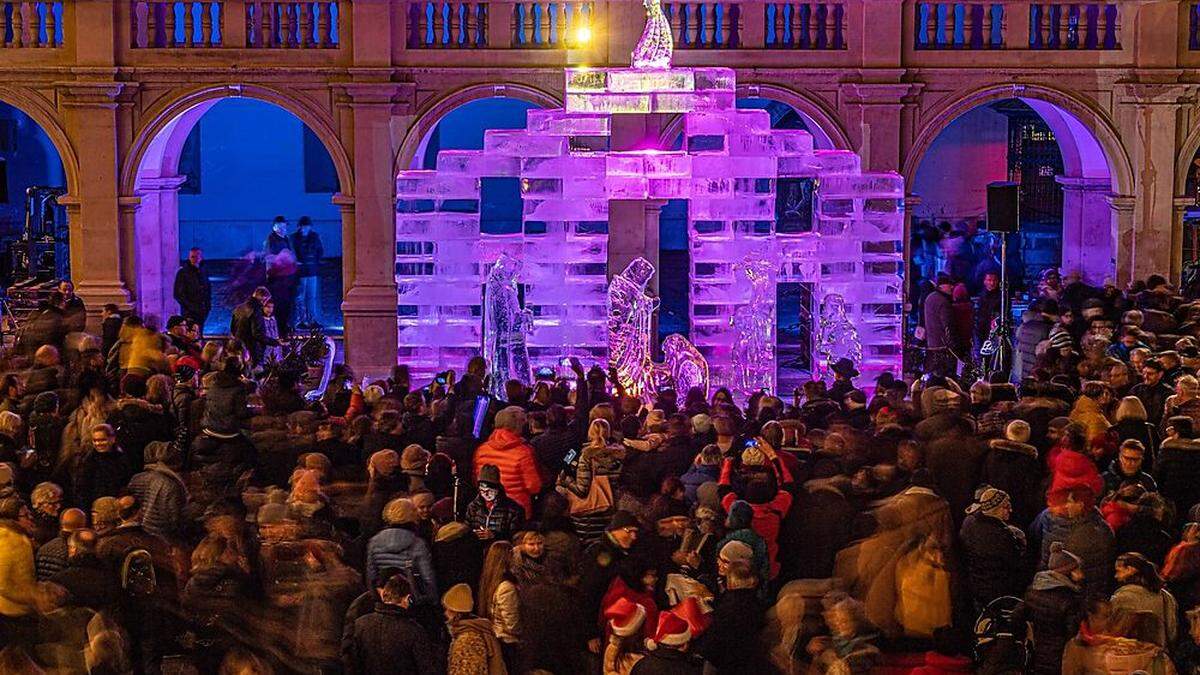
{"points": [[507, 450], [760, 479]]}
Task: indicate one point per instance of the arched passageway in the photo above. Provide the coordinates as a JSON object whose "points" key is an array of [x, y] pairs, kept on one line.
{"points": [[34, 240], [214, 176], [1067, 176]]}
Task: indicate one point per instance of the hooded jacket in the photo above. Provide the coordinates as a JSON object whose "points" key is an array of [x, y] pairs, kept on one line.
{"points": [[1087, 536], [503, 518], [1014, 467], [225, 404], [1055, 605], [518, 467]]}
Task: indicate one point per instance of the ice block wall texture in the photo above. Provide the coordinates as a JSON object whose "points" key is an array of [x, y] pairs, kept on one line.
{"points": [[730, 167]]}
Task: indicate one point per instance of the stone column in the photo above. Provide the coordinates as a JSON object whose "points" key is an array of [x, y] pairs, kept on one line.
{"points": [[1148, 114], [1089, 237], [90, 113], [877, 110], [1122, 207], [369, 232], [156, 233]]}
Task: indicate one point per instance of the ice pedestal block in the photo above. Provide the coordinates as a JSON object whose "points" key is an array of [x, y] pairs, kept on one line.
{"points": [[809, 219]]}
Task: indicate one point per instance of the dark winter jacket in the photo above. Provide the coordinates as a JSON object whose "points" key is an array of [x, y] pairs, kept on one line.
{"points": [[1154, 398], [1034, 328], [1055, 606], [1178, 469], [1015, 468], [224, 404], [402, 549], [101, 474], [503, 518], [994, 557], [730, 643], [89, 582], [193, 291], [955, 460], [1087, 536], [939, 321], [1115, 478], [308, 252], [137, 423], [163, 496], [697, 475], [817, 527], [247, 324], [388, 641], [550, 447]]}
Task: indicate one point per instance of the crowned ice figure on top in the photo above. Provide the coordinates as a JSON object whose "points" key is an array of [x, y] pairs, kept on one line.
{"points": [[653, 50]]}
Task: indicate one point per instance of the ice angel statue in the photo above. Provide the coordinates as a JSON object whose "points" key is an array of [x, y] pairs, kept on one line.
{"points": [[505, 327], [837, 336], [754, 330], [630, 311], [654, 48]]}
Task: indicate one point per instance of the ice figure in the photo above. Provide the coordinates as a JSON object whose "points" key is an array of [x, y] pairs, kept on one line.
{"points": [[629, 312], [505, 327], [754, 330], [684, 365], [654, 48], [837, 336]]}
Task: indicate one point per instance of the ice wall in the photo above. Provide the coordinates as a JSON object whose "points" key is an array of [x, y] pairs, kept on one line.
{"points": [[750, 195]]}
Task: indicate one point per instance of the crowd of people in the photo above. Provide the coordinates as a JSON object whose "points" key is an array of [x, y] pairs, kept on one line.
{"points": [[169, 504]]}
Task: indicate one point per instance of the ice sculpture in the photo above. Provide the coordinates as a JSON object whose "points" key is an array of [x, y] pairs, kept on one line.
{"points": [[506, 326], [753, 192], [654, 48], [684, 365], [630, 311], [754, 329], [837, 336]]}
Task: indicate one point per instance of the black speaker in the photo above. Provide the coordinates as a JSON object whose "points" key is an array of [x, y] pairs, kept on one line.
{"points": [[1003, 205]]}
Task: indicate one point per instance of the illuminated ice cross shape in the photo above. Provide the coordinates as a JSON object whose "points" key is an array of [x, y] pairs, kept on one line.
{"points": [[654, 48], [582, 181]]}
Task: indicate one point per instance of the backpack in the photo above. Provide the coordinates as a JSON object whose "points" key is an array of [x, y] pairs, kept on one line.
{"points": [[138, 577]]}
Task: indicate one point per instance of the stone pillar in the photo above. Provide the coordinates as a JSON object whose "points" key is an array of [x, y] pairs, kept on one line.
{"points": [[1148, 115], [1089, 237], [156, 233], [1122, 208], [90, 112], [633, 232], [877, 110], [369, 233]]}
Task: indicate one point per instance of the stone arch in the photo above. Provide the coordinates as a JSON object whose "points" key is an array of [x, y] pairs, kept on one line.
{"points": [[427, 119], [823, 123], [1183, 163], [176, 115], [1081, 116], [42, 112], [1095, 161], [149, 183]]}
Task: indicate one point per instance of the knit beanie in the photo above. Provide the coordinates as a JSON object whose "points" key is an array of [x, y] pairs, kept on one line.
{"points": [[735, 551], [458, 599], [701, 424], [1017, 431], [988, 500], [414, 459], [1062, 560], [740, 515]]}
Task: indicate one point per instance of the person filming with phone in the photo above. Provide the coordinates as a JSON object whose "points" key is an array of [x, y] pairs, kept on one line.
{"points": [[587, 481]]}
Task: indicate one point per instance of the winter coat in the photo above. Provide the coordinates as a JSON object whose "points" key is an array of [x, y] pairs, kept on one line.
{"points": [[1178, 469], [162, 495], [404, 550], [518, 467], [923, 584], [1088, 413], [1144, 534], [51, 557], [193, 291], [137, 423], [1115, 478], [939, 321], [246, 324], [666, 661], [90, 582], [1154, 398], [1087, 536], [17, 579], [955, 460], [994, 557], [766, 522], [309, 251], [989, 307], [1189, 408], [601, 563], [1135, 598], [506, 612], [1055, 606], [225, 404], [503, 518], [1034, 328], [388, 641], [101, 474], [474, 650], [550, 448], [731, 642], [818, 526], [697, 475], [1015, 468]]}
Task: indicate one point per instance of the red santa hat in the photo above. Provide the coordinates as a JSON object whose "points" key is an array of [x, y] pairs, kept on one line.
{"points": [[625, 617], [672, 631], [693, 613]]}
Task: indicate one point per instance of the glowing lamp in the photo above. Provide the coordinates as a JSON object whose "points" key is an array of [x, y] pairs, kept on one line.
{"points": [[583, 35]]}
